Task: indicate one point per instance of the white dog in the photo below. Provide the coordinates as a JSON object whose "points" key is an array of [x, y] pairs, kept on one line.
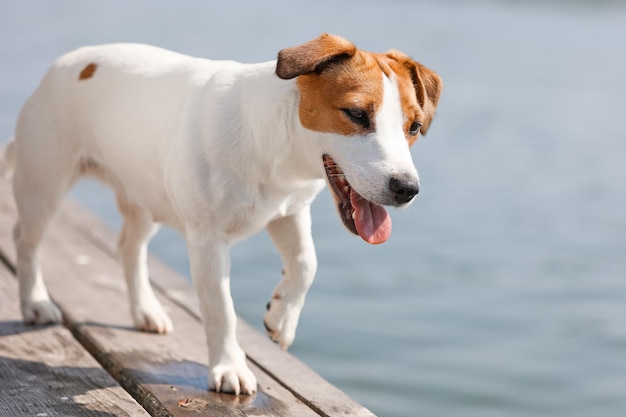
{"points": [[220, 150]]}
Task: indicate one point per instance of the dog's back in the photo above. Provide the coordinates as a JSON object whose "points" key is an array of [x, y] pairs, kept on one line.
{"points": [[110, 92], [112, 111]]}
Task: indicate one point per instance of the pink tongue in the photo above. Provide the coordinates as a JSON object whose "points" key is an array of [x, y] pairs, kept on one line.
{"points": [[371, 220]]}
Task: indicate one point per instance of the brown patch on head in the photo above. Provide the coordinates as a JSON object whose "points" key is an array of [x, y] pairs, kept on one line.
{"points": [[426, 83], [352, 86], [411, 110], [334, 77], [87, 72]]}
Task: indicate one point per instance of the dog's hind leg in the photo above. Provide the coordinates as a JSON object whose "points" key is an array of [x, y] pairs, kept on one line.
{"points": [[292, 237], [138, 228], [37, 308], [40, 181]]}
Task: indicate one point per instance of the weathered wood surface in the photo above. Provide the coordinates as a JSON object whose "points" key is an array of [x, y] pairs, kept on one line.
{"points": [[44, 371], [166, 374]]}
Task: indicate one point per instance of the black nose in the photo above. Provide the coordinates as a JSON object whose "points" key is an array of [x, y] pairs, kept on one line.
{"points": [[403, 190]]}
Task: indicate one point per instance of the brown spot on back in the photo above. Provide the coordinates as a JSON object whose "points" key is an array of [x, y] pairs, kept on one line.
{"points": [[87, 72]]}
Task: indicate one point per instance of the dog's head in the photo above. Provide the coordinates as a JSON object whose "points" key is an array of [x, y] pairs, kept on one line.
{"points": [[371, 108]]}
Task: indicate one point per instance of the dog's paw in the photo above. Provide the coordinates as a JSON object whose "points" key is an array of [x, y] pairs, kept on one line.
{"points": [[281, 321], [233, 378], [41, 312], [152, 318]]}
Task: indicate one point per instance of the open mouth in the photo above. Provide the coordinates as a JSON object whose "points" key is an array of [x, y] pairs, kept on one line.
{"points": [[362, 217]]}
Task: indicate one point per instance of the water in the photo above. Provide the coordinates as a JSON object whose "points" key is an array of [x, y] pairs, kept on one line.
{"points": [[502, 290]]}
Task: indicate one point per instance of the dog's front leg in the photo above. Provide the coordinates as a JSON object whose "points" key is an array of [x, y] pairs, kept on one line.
{"points": [[210, 270], [292, 237]]}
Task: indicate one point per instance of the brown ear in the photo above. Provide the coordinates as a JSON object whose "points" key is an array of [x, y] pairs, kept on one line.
{"points": [[313, 56], [428, 86]]}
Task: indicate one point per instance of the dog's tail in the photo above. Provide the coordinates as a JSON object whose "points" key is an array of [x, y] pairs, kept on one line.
{"points": [[8, 162]]}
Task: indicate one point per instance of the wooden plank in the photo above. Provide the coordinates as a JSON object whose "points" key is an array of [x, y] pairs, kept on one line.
{"points": [[44, 371], [166, 374], [304, 383]]}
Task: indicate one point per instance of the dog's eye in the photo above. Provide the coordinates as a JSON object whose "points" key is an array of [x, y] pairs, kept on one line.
{"points": [[358, 116], [415, 128]]}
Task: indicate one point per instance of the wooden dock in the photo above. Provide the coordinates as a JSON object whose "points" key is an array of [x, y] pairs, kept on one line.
{"points": [[97, 365]]}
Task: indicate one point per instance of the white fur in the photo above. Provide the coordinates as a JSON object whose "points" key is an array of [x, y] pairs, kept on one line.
{"points": [[214, 149]]}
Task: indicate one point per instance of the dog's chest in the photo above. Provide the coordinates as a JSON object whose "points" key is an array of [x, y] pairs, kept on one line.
{"points": [[270, 202]]}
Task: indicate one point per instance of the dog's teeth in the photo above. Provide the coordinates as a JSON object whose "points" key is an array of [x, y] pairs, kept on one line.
{"points": [[353, 215]]}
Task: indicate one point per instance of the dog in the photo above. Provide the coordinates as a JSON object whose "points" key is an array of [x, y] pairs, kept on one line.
{"points": [[220, 150]]}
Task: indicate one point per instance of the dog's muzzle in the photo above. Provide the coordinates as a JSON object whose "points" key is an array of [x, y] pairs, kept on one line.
{"points": [[362, 217]]}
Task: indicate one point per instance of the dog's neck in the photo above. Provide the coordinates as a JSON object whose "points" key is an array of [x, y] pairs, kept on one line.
{"points": [[270, 120]]}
